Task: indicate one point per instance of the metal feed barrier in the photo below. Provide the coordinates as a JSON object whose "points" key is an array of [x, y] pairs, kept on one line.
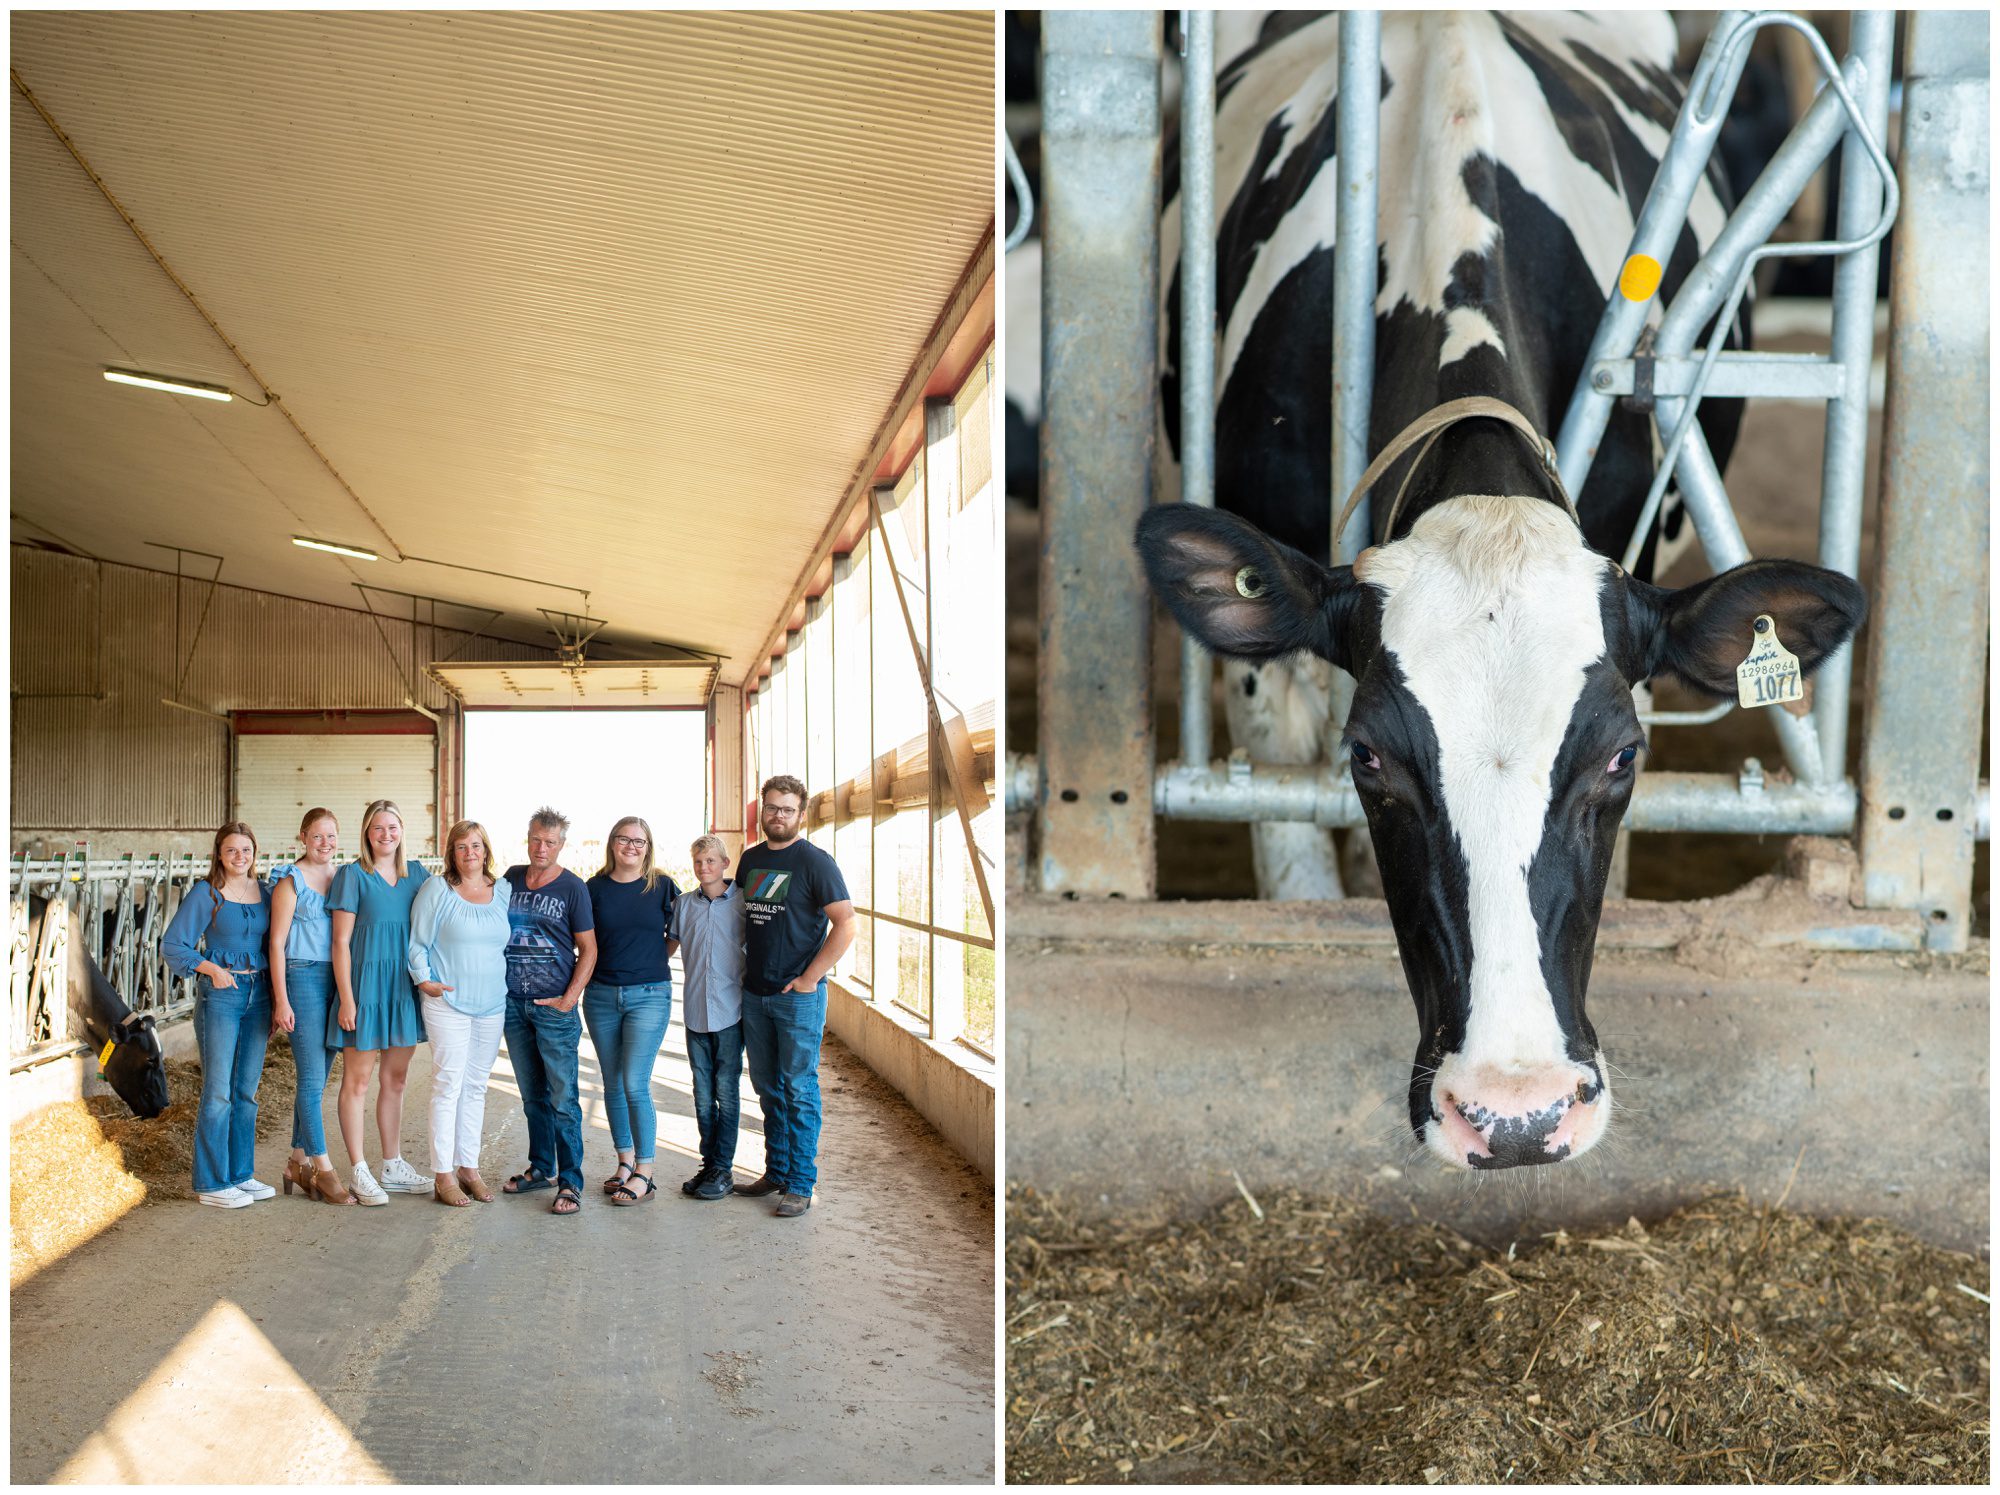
{"points": [[120, 908], [1920, 804]]}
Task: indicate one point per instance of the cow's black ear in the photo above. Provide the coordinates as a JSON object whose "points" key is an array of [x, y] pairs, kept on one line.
{"points": [[1701, 633], [1240, 592]]}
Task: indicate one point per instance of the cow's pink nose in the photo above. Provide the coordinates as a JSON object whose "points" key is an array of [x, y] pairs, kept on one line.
{"points": [[1511, 1119]]}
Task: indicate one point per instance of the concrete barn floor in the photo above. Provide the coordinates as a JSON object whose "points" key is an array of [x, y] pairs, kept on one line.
{"points": [[678, 1341]]}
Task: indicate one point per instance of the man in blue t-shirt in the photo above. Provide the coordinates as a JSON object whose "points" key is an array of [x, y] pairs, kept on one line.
{"points": [[798, 922], [551, 952]]}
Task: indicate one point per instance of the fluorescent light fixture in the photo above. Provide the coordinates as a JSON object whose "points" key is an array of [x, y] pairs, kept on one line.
{"points": [[332, 549], [171, 386]]}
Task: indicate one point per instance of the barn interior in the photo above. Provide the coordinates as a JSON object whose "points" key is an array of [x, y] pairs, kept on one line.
{"points": [[580, 361]]}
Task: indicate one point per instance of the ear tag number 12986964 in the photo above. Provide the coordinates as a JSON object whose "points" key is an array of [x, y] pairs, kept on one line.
{"points": [[1770, 676]]}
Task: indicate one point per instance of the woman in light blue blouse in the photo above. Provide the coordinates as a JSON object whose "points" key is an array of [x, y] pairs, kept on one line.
{"points": [[219, 935], [302, 999], [458, 960]]}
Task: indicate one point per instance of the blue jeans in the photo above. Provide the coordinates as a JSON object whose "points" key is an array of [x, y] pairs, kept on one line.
{"points": [[309, 989], [231, 1027], [781, 1035], [717, 1062], [627, 1026], [541, 1045]]}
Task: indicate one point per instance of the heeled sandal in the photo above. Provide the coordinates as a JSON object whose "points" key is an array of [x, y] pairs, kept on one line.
{"points": [[625, 1193]]}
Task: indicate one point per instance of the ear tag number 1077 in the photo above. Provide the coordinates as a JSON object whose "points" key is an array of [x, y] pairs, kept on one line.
{"points": [[1770, 676]]}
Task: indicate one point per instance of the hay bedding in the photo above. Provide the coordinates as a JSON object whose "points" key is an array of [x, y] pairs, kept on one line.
{"points": [[1319, 1343], [79, 1166]]}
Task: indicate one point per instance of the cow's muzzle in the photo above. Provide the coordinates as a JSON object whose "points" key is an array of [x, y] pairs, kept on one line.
{"points": [[1492, 1117]]}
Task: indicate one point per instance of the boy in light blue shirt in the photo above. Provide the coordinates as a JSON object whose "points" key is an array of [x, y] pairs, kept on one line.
{"points": [[707, 926]]}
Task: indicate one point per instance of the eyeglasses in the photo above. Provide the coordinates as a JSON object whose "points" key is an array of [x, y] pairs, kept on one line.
{"points": [[630, 843], [782, 811]]}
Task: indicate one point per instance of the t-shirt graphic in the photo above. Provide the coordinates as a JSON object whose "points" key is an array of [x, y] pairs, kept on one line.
{"points": [[541, 949], [785, 894]]}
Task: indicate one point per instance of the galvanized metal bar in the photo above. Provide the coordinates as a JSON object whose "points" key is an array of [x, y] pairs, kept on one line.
{"points": [[1357, 130], [1357, 141], [1773, 376], [1100, 358], [1197, 369], [1920, 764], [1746, 803], [1853, 346], [1654, 235]]}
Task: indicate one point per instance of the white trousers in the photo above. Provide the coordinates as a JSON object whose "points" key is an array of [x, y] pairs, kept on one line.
{"points": [[462, 1053]]}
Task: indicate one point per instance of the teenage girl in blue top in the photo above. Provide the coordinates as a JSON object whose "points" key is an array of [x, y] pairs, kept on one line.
{"points": [[302, 999], [219, 935]]}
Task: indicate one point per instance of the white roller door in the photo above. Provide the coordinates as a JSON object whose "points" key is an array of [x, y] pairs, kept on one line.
{"points": [[280, 776]]}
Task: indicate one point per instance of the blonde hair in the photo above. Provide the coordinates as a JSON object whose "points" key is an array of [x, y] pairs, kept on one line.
{"points": [[375, 810], [653, 872], [465, 830], [709, 843]]}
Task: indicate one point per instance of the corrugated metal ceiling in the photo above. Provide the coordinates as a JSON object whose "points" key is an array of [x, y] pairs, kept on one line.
{"points": [[612, 300]]}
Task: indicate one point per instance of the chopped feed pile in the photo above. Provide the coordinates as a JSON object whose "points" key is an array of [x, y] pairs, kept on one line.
{"points": [[1316, 1342], [80, 1165]]}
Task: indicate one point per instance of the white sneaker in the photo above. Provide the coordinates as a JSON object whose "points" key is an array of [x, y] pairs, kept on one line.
{"points": [[366, 1190], [398, 1177], [255, 1190], [230, 1198]]}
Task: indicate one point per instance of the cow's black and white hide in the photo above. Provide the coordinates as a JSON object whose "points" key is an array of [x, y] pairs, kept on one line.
{"points": [[136, 1067], [1495, 647], [1516, 152]]}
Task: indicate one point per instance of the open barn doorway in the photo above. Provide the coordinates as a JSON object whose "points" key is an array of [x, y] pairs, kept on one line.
{"points": [[594, 767]]}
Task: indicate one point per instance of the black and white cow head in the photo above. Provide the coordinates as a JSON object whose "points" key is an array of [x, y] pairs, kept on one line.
{"points": [[1492, 740]]}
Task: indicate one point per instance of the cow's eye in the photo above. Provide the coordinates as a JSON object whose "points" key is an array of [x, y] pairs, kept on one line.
{"points": [[1623, 761], [1364, 756]]}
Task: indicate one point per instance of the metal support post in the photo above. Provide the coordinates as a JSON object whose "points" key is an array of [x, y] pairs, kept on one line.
{"points": [[1100, 359], [1197, 341], [1853, 348], [1357, 141], [1920, 764]]}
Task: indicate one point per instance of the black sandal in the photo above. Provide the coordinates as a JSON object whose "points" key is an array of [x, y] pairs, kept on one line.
{"points": [[575, 1200], [617, 1180], [527, 1181], [626, 1194]]}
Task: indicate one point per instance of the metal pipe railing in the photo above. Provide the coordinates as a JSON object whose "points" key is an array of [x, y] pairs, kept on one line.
{"points": [[1357, 142], [1197, 338], [1852, 350]]}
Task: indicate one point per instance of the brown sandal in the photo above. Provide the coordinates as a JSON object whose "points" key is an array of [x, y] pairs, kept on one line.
{"points": [[299, 1171], [475, 1186], [326, 1186], [449, 1193]]}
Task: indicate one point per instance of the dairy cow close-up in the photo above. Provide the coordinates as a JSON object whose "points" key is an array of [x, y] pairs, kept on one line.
{"points": [[1494, 643]]}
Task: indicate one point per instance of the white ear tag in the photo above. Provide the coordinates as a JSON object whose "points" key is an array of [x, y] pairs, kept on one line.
{"points": [[1771, 675]]}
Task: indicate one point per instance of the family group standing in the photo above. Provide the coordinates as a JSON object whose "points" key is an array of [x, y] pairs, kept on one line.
{"points": [[374, 957]]}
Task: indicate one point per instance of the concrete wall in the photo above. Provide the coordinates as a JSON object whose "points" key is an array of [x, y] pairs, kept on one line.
{"points": [[97, 756], [1143, 1074], [953, 1090]]}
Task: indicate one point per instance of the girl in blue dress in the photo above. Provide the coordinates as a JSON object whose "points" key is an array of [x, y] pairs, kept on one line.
{"points": [[378, 1018]]}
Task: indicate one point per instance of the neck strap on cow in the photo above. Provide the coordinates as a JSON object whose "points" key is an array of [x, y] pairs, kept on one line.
{"points": [[1427, 428]]}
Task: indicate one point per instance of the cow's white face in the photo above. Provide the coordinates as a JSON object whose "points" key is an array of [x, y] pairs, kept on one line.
{"points": [[1492, 741], [1491, 623]]}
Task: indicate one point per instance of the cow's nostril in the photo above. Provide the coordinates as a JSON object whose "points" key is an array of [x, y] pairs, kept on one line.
{"points": [[1582, 1092]]}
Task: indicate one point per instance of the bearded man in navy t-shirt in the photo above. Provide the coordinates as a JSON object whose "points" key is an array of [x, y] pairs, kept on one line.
{"points": [[798, 922]]}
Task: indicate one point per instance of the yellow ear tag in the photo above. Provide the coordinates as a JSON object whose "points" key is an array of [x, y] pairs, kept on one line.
{"points": [[105, 1057], [1771, 675]]}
